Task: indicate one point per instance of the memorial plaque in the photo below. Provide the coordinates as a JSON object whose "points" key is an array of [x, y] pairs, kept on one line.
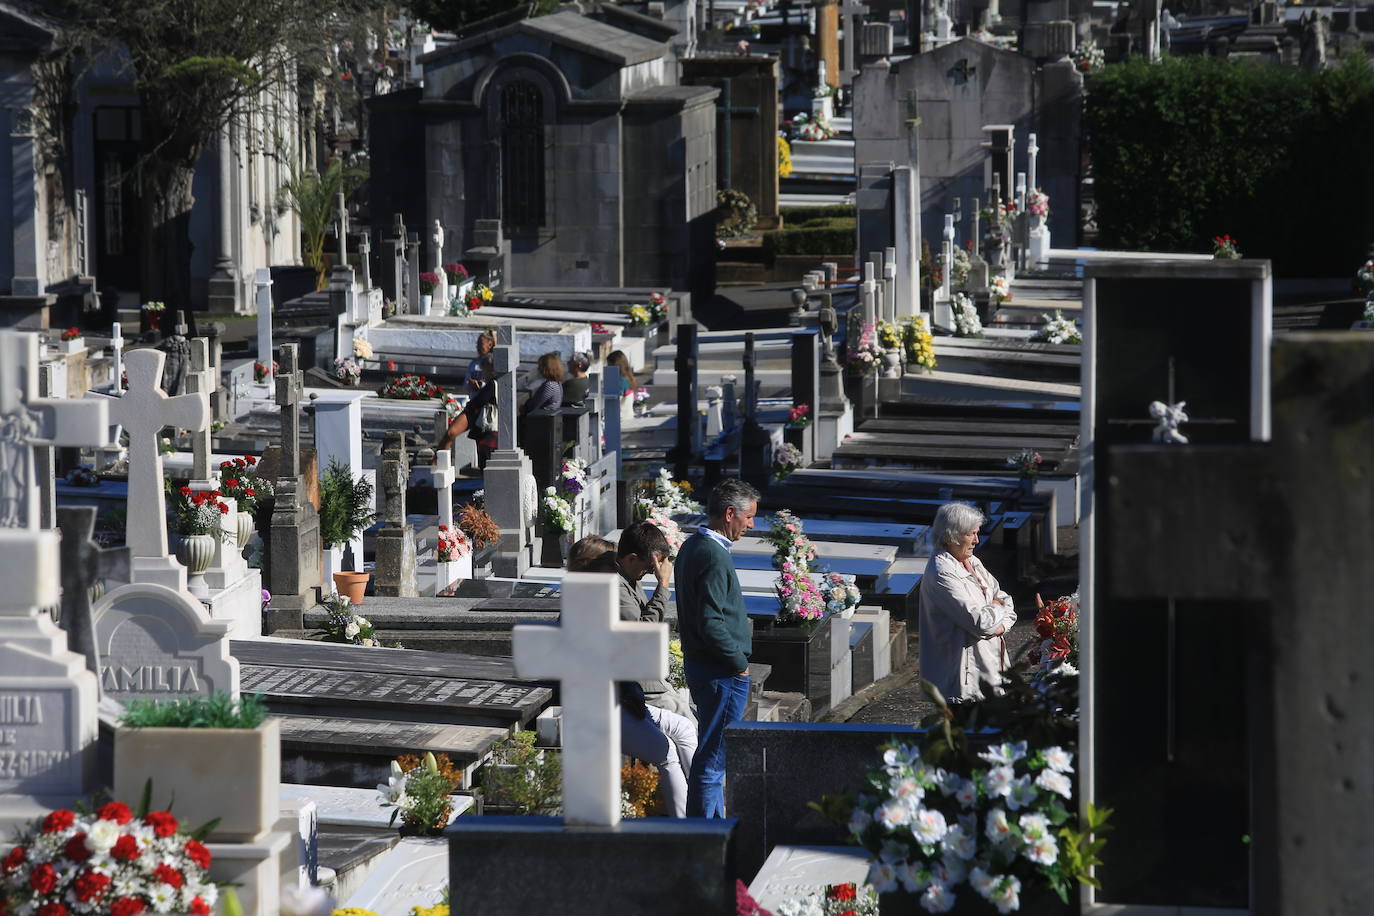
{"points": [[156, 643], [458, 701], [36, 737]]}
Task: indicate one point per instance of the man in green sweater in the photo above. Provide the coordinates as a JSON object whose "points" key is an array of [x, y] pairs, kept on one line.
{"points": [[716, 641]]}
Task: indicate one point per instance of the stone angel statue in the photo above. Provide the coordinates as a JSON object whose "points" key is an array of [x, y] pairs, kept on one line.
{"points": [[1170, 417]]}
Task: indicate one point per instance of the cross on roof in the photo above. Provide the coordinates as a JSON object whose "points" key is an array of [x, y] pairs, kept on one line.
{"points": [[145, 410], [587, 653], [27, 420], [84, 563]]}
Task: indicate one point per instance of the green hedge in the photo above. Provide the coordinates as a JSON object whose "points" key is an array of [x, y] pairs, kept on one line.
{"points": [[796, 217], [833, 236], [1197, 147]]}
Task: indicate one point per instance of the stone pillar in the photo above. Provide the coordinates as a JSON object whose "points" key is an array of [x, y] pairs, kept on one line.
{"points": [[509, 478], [889, 284], [262, 285], [828, 40], [117, 354], [224, 284], [907, 236], [30, 275], [395, 569]]}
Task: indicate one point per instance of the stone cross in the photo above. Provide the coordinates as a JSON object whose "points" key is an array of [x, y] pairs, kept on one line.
{"points": [[395, 473], [178, 351], [144, 411], [853, 13], [365, 257], [84, 563], [1032, 151], [27, 421], [198, 380], [444, 477], [343, 229], [505, 361], [587, 652], [117, 353], [290, 391], [262, 284]]}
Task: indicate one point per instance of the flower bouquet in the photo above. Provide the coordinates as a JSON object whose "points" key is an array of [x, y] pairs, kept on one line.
{"points": [[640, 317], [812, 128], [799, 417], [962, 263], [1056, 623], [239, 482], [419, 789], [1001, 288], [109, 861], [429, 282], [71, 333], [410, 387], [841, 593], [572, 476], [1026, 463], [196, 512], [1038, 203], [918, 342], [790, 543], [865, 358], [1225, 248], [663, 521], [786, 459], [154, 306], [456, 273], [999, 825], [557, 511], [658, 306], [599, 328], [889, 336], [834, 900], [453, 544], [478, 296], [641, 400], [349, 370], [966, 320], [1058, 330], [672, 496], [798, 596], [1364, 278], [83, 476], [343, 625], [1089, 58], [361, 348], [262, 372]]}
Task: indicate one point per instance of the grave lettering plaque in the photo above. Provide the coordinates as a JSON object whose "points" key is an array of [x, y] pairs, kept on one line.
{"points": [[155, 643]]}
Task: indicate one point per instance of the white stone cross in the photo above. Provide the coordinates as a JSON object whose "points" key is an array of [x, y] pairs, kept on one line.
{"points": [[444, 476], [144, 411], [27, 420], [587, 653]]}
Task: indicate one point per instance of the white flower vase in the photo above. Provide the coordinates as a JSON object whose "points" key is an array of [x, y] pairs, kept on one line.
{"points": [[892, 364], [1039, 248], [244, 529], [426, 303], [196, 552]]}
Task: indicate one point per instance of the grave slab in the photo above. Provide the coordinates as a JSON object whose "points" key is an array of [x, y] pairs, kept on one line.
{"points": [[355, 752], [413, 873], [793, 872], [861, 654], [343, 807]]}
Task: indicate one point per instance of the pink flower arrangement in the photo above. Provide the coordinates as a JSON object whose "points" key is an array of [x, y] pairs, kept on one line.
{"points": [[453, 544], [429, 282], [798, 597], [799, 417], [457, 273]]}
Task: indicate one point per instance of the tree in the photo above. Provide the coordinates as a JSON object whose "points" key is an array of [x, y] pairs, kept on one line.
{"points": [[193, 64]]}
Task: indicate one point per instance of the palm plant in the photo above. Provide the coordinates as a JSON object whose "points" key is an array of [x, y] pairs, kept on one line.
{"points": [[314, 198]]}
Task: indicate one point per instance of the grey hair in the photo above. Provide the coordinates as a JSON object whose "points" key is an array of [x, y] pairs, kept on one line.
{"points": [[730, 493], [953, 521]]}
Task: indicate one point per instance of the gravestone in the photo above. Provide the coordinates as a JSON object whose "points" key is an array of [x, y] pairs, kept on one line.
{"points": [[294, 571], [806, 390], [84, 565], [688, 423], [590, 850], [395, 569], [1283, 556], [339, 437], [1182, 754], [756, 446], [508, 477]]}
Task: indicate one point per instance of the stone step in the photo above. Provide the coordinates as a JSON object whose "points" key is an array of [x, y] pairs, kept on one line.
{"points": [[785, 706]]}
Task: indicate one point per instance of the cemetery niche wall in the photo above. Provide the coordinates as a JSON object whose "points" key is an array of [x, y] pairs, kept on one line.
{"points": [[571, 132]]}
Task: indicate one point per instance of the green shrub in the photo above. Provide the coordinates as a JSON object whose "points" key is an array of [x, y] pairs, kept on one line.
{"points": [[1196, 147], [345, 505], [532, 784], [837, 238], [218, 710], [796, 217]]}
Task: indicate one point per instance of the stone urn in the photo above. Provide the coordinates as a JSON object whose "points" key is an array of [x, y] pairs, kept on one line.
{"points": [[352, 585], [892, 364], [244, 530], [196, 552]]}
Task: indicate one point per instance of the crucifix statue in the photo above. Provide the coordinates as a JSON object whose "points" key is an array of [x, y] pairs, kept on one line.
{"points": [[587, 652]]}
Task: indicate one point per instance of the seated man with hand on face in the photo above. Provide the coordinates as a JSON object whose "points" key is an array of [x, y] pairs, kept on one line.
{"points": [[642, 550]]}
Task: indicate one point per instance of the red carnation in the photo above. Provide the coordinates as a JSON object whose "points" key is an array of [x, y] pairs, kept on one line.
{"points": [[223, 509], [226, 464], [232, 483], [241, 462], [126, 847], [76, 848], [57, 820], [43, 879], [91, 885], [197, 853], [168, 875], [52, 909], [842, 892], [162, 822], [185, 491], [199, 907], [15, 858], [250, 459], [249, 493], [126, 906], [115, 811]]}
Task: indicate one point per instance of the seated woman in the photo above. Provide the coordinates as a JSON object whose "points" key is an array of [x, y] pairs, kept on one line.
{"points": [[549, 394], [964, 614], [476, 416], [576, 384], [656, 736], [486, 342]]}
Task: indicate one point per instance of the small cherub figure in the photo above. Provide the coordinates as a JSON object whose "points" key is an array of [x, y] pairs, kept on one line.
{"points": [[1170, 417]]}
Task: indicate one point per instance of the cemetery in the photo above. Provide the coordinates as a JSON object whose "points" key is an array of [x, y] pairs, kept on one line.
{"points": [[367, 440]]}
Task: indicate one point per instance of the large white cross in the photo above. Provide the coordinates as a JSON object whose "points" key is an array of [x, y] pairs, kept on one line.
{"points": [[144, 411], [588, 651], [27, 420]]}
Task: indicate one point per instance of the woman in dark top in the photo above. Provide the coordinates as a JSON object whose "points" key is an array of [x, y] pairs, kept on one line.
{"points": [[549, 394], [575, 386], [471, 420], [486, 342]]}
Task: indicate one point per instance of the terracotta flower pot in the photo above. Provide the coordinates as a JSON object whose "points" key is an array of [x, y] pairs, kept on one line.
{"points": [[351, 585]]}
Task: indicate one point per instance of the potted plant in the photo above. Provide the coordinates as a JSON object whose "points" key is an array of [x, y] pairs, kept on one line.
{"points": [[345, 510], [218, 757], [419, 790], [429, 282], [240, 482], [197, 518]]}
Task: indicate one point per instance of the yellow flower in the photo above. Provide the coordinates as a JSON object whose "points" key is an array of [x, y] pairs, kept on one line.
{"points": [[439, 909], [352, 911], [486, 294]]}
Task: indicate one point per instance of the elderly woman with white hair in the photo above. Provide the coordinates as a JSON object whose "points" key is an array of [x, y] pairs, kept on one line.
{"points": [[964, 613]]}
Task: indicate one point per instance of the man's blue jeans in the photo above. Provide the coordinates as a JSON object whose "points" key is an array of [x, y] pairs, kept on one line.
{"points": [[720, 698]]}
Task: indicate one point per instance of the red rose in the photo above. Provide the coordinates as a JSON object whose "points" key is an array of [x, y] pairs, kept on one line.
{"points": [[391, 366], [199, 907], [168, 875], [185, 491], [76, 848], [197, 853], [15, 858], [240, 462], [162, 822], [249, 493], [126, 906], [52, 909], [43, 879], [57, 820], [91, 885], [223, 509], [232, 483], [842, 892], [126, 847]]}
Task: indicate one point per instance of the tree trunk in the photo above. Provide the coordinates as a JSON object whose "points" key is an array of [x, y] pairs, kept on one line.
{"points": [[166, 255]]}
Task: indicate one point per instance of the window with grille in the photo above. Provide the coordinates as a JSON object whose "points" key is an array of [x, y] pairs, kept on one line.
{"points": [[522, 157]]}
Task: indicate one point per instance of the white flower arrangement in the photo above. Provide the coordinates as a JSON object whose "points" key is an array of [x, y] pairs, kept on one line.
{"points": [[966, 321], [841, 593], [558, 512], [1001, 288], [361, 348], [1058, 330]]}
